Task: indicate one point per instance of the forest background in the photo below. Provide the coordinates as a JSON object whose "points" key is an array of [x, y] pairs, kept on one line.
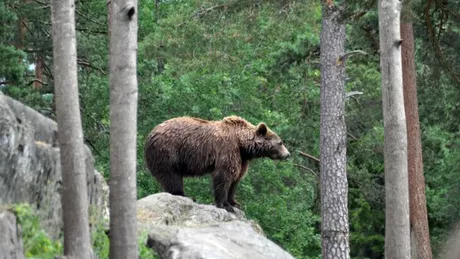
{"points": [[259, 60]]}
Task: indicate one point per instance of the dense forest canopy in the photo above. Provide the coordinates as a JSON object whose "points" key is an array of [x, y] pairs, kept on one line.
{"points": [[259, 60]]}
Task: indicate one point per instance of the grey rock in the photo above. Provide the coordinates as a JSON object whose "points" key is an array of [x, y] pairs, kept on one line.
{"points": [[179, 228], [30, 170], [11, 246]]}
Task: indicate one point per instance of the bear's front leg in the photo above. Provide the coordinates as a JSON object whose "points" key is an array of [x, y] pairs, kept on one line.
{"points": [[231, 195], [222, 185]]}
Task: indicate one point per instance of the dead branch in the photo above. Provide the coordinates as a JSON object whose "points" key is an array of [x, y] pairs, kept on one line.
{"points": [[309, 156], [202, 12], [343, 58], [43, 4], [88, 18], [37, 80], [87, 64], [351, 136], [92, 31], [308, 169], [352, 93]]}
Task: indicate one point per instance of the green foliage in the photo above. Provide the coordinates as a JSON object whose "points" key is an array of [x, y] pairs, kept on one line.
{"points": [[11, 69], [280, 199], [37, 244], [259, 60], [101, 245]]}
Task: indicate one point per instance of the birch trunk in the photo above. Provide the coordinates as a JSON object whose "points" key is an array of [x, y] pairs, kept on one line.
{"points": [[70, 134], [334, 185], [123, 129], [397, 233]]}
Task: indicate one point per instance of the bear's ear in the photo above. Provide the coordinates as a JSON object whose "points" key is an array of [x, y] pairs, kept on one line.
{"points": [[261, 129]]}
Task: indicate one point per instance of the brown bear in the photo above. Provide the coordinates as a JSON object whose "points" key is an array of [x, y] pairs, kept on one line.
{"points": [[188, 147]]}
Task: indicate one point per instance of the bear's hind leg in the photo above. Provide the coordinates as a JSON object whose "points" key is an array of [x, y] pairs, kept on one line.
{"points": [[231, 194], [221, 187], [173, 184]]}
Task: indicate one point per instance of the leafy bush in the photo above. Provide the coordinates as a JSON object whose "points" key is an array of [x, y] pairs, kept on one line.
{"points": [[38, 245]]}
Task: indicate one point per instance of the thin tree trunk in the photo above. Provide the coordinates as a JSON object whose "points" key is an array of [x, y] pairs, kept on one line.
{"points": [[123, 129], [21, 32], [397, 232], [334, 185], [21, 35], [420, 245], [38, 72], [70, 134]]}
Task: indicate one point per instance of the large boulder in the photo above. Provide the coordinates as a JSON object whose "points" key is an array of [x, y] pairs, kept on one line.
{"points": [[30, 169], [11, 246], [179, 228]]}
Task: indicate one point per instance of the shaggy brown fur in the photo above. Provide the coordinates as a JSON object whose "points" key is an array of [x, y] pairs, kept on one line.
{"points": [[187, 147]]}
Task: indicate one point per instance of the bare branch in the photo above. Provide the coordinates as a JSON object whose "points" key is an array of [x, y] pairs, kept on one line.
{"points": [[309, 156], [87, 64], [92, 31], [343, 58], [37, 80], [352, 136], [308, 169], [43, 4], [202, 12], [88, 18], [352, 93]]}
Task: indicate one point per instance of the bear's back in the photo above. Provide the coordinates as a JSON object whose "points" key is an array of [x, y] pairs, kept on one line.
{"points": [[190, 145]]}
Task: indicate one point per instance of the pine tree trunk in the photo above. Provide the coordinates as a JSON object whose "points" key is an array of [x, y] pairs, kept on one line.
{"points": [[420, 246], [123, 129], [397, 233], [38, 72], [70, 134], [334, 185]]}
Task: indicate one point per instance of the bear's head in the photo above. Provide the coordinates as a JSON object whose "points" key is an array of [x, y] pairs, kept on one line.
{"points": [[268, 144]]}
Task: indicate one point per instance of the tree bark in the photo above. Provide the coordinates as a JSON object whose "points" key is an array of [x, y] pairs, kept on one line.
{"points": [[38, 72], [420, 246], [334, 185], [70, 134], [123, 130], [397, 233]]}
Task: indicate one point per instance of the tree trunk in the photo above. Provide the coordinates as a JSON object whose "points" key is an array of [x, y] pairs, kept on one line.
{"points": [[21, 27], [123, 129], [70, 134], [334, 185], [397, 233], [420, 245], [38, 73]]}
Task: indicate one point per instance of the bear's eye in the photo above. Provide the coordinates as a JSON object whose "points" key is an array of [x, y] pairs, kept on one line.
{"points": [[280, 143]]}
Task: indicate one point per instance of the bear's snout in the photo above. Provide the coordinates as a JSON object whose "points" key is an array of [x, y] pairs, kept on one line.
{"points": [[288, 155], [282, 154]]}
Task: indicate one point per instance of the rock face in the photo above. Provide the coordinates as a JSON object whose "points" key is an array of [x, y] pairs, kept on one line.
{"points": [[30, 170], [179, 228], [11, 246]]}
